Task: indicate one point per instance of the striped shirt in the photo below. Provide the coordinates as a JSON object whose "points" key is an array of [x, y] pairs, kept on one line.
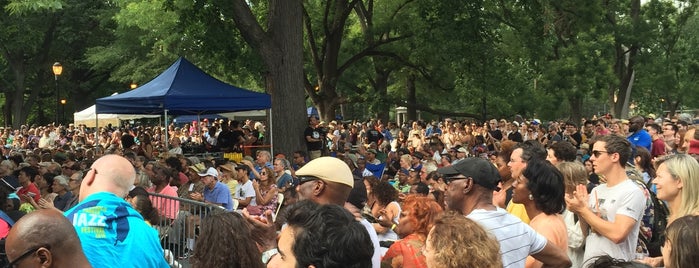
{"points": [[517, 240]]}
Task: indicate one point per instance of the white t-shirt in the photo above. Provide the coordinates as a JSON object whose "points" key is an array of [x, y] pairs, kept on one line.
{"points": [[245, 190], [625, 198], [517, 240], [376, 258]]}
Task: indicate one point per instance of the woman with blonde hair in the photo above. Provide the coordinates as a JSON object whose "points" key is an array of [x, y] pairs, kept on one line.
{"points": [[574, 173], [456, 241], [677, 183]]}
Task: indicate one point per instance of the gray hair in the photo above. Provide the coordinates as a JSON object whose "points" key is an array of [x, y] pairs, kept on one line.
{"points": [[285, 163], [62, 180]]}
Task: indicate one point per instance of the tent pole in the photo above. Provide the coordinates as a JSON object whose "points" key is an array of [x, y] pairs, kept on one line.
{"points": [[271, 129], [167, 139]]}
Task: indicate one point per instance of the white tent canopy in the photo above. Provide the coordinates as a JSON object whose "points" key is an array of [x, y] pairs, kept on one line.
{"points": [[88, 117]]}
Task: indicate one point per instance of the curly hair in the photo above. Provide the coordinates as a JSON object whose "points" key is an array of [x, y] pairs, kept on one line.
{"points": [[384, 192], [423, 210], [546, 186], [225, 241], [458, 241], [271, 179]]}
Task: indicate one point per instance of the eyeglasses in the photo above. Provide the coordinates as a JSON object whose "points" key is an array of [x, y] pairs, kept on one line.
{"points": [[598, 153], [263, 173], [305, 179], [448, 180], [27, 254]]}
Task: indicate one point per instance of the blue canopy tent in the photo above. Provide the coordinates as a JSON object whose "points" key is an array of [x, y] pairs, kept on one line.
{"points": [[184, 119], [184, 89]]}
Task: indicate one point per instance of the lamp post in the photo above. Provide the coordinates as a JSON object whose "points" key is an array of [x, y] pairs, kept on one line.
{"points": [[63, 111], [57, 70], [133, 85]]}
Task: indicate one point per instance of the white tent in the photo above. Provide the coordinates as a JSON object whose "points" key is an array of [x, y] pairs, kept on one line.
{"points": [[88, 117]]}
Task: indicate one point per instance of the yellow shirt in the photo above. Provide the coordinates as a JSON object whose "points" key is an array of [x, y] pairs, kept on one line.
{"points": [[518, 211]]}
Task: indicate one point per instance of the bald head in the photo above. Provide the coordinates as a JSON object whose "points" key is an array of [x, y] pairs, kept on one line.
{"points": [[110, 173], [46, 228]]}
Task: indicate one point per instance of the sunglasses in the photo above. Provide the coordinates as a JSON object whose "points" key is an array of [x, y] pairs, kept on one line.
{"points": [[448, 180], [598, 153], [26, 254], [305, 179]]}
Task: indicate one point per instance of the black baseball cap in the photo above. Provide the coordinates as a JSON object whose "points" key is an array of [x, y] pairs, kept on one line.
{"points": [[480, 170]]}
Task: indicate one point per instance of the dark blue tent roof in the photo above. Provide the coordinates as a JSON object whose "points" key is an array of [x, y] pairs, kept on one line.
{"points": [[184, 89]]}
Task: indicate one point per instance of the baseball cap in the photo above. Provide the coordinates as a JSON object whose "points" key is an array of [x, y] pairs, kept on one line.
{"points": [[418, 155], [480, 170], [462, 150], [198, 168], [327, 169], [372, 151], [210, 172]]}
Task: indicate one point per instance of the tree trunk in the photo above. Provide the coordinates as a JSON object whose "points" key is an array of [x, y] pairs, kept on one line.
{"points": [[16, 116], [624, 66], [281, 50], [381, 86], [576, 103], [412, 97]]}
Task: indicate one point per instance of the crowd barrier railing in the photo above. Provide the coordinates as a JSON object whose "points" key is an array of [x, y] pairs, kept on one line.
{"points": [[180, 218]]}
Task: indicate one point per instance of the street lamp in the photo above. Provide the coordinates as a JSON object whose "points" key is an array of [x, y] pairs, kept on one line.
{"points": [[133, 85], [57, 70], [63, 111]]}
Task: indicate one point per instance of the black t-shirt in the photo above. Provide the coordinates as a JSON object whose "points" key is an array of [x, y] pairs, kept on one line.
{"points": [[497, 134], [237, 134], [226, 139], [515, 136], [577, 137], [374, 135], [315, 133]]}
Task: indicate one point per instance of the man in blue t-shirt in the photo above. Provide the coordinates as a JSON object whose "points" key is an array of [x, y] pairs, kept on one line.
{"points": [[215, 192], [111, 232], [639, 136]]}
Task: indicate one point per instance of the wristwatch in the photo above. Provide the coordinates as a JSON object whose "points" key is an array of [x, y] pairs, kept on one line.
{"points": [[267, 255]]}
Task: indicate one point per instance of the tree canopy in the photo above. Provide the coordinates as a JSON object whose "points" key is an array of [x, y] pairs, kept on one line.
{"points": [[361, 58]]}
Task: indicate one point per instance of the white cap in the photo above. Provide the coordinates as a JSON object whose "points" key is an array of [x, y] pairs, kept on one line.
{"points": [[210, 172]]}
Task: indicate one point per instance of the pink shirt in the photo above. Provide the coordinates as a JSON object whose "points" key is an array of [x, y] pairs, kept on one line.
{"points": [[166, 207]]}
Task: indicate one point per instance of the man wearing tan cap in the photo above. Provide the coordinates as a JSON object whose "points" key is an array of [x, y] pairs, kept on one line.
{"points": [[328, 180]]}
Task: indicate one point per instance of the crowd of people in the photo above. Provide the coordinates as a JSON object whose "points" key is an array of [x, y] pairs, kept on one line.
{"points": [[521, 193]]}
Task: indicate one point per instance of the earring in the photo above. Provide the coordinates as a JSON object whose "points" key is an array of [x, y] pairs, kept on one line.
{"points": [[531, 197]]}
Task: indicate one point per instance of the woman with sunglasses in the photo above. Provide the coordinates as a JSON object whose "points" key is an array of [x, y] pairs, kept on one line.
{"points": [[265, 193]]}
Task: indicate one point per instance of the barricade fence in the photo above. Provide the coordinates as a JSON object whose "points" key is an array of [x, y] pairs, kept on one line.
{"points": [[179, 221]]}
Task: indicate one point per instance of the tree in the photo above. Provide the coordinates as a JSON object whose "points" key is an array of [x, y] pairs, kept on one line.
{"points": [[668, 65]]}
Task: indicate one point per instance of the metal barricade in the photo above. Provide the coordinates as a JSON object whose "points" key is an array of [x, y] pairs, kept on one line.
{"points": [[179, 222]]}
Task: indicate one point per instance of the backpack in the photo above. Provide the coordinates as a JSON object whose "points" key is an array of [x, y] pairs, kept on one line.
{"points": [[651, 235]]}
